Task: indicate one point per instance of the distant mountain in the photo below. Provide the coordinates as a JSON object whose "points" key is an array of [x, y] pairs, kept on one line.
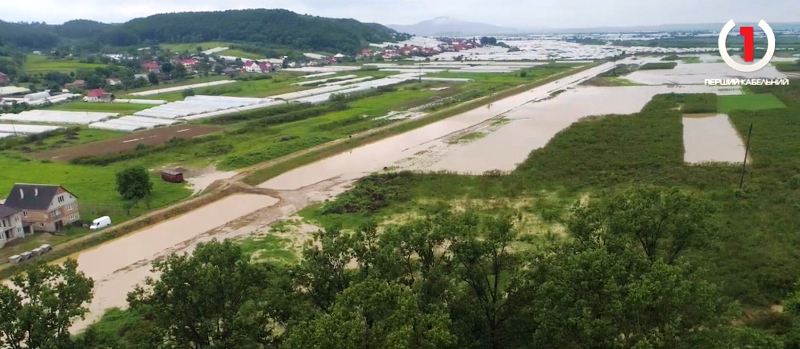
{"points": [[446, 26], [256, 26]]}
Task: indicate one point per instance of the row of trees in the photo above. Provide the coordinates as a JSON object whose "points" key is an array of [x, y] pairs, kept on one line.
{"points": [[449, 280], [280, 28]]}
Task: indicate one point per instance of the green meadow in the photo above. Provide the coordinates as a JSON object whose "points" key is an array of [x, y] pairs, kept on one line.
{"points": [[757, 101], [39, 64]]}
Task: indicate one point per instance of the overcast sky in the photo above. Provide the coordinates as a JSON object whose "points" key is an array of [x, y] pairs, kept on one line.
{"points": [[515, 13]]}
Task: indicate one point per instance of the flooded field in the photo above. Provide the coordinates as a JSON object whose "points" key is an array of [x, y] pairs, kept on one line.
{"points": [[531, 127], [711, 138], [384, 153], [118, 265], [695, 74], [509, 130]]}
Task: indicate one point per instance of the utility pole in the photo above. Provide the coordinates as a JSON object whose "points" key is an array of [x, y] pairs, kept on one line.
{"points": [[746, 152]]}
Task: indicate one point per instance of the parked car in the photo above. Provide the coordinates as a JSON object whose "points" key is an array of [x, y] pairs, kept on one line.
{"points": [[100, 223]]}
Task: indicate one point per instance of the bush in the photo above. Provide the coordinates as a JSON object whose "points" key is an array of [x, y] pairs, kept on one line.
{"points": [[370, 194], [794, 182], [662, 65]]}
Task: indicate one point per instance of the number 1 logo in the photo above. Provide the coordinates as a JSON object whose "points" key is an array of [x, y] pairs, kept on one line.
{"points": [[749, 46]]}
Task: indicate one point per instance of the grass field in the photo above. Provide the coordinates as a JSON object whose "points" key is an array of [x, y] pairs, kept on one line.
{"points": [[39, 64], [82, 136], [240, 53], [121, 108], [194, 80], [246, 145], [93, 185], [760, 101]]}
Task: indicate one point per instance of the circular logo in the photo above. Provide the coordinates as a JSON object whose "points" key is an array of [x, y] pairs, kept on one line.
{"points": [[746, 68]]}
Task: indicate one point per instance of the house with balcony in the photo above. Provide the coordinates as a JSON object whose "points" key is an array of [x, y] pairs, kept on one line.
{"points": [[44, 207]]}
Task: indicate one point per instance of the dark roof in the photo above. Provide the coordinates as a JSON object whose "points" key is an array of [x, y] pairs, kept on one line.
{"points": [[24, 196], [6, 211]]}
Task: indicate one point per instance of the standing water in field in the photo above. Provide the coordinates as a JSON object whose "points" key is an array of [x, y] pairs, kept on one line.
{"points": [[711, 139]]}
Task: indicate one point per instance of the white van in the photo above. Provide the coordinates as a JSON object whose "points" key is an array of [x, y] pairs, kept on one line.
{"points": [[100, 223]]}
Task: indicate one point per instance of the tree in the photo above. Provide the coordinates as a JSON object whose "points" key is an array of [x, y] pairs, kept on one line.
{"points": [[597, 296], [664, 223], [374, 314], [180, 71], [134, 183], [37, 311], [152, 77], [484, 262], [167, 68], [214, 298]]}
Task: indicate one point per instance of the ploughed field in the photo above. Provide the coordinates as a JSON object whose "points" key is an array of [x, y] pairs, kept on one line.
{"points": [[128, 142]]}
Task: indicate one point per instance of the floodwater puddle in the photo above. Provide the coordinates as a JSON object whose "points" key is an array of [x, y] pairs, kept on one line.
{"points": [[711, 138]]}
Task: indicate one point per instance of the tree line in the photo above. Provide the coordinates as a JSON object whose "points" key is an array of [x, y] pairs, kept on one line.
{"points": [[279, 28], [624, 278]]}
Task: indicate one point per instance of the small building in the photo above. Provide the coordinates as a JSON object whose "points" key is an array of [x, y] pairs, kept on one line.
{"points": [[172, 176], [45, 207], [190, 63], [113, 82], [151, 67], [11, 227], [4, 79], [76, 85], [98, 95], [257, 67]]}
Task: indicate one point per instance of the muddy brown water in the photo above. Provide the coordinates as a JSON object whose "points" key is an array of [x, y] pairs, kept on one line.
{"points": [[711, 138], [384, 153], [119, 265]]}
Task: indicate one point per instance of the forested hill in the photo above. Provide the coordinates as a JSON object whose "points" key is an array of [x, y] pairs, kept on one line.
{"points": [[258, 26]]}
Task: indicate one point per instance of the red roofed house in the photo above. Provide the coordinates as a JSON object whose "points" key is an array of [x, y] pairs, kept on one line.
{"points": [[189, 63], [151, 67], [98, 95], [255, 67], [4, 80]]}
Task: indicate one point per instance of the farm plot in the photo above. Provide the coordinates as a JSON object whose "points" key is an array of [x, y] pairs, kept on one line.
{"points": [[130, 142], [58, 117], [711, 138]]}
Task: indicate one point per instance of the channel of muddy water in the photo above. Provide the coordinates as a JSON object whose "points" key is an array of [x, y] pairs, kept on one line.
{"points": [[384, 153], [119, 265]]}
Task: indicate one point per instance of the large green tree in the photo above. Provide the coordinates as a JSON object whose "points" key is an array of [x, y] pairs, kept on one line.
{"points": [[38, 308], [663, 223], [214, 298], [134, 183]]}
